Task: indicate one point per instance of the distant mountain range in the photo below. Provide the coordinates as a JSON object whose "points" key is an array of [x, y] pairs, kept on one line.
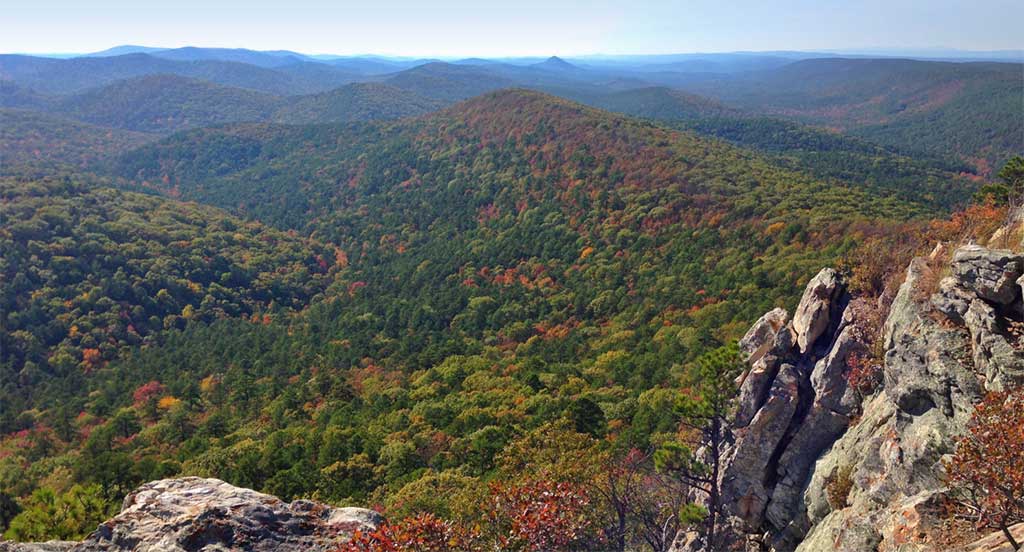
{"points": [[967, 111], [239, 54]]}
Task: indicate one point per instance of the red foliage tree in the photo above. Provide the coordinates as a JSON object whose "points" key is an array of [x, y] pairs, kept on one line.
{"points": [[542, 516], [422, 533], [539, 516], [986, 473], [148, 392], [146, 396]]}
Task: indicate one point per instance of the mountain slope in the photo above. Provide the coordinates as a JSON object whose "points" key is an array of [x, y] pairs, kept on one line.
{"points": [[240, 55], [965, 109], [64, 76], [16, 96], [118, 268], [167, 103], [45, 141], [448, 82], [356, 102], [518, 121], [659, 102]]}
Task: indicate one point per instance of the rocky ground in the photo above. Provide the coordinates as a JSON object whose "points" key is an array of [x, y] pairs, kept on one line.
{"points": [[195, 514]]}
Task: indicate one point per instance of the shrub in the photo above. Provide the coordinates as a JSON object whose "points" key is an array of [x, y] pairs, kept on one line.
{"points": [[986, 473], [838, 487]]}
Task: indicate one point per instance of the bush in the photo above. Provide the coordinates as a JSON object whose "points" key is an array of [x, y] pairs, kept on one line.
{"points": [[838, 487]]}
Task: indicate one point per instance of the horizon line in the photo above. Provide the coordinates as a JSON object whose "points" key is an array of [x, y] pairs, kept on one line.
{"points": [[879, 50]]}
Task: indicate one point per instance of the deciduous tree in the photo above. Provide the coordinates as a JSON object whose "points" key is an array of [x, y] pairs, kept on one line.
{"points": [[986, 473]]}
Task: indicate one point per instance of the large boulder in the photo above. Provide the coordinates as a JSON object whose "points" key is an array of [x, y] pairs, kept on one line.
{"points": [[990, 273], [811, 468], [208, 515], [994, 355], [755, 384], [763, 335], [813, 314]]}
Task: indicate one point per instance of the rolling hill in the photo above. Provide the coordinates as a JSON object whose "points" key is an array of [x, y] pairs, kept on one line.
{"points": [[17, 96], [356, 102], [447, 82], [270, 59], [167, 103], [34, 141], [265, 149], [970, 110], [116, 265], [65, 76], [656, 102]]}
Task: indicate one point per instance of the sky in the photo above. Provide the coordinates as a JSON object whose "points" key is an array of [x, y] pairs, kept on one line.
{"points": [[453, 28]]}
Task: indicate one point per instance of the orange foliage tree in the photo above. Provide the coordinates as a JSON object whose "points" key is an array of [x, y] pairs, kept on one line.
{"points": [[986, 473]]}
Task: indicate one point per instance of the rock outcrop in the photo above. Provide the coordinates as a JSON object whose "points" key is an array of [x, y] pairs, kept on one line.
{"points": [[195, 514], [794, 402], [810, 465]]}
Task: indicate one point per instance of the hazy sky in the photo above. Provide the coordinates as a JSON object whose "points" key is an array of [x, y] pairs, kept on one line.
{"points": [[521, 27]]}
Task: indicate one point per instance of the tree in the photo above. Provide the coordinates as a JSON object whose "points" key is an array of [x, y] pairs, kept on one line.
{"points": [[704, 407], [587, 417], [537, 516], [648, 507], [1010, 191], [986, 473], [541, 516], [1012, 175], [421, 533], [69, 516], [8, 510]]}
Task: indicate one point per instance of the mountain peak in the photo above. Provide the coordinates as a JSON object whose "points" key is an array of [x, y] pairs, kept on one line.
{"points": [[125, 49], [555, 63]]}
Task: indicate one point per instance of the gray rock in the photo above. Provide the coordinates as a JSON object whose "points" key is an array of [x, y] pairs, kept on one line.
{"points": [[195, 514], [838, 533], [792, 442], [952, 300], [762, 336], [990, 273], [813, 314], [756, 382], [895, 451], [743, 473], [994, 356], [829, 376], [816, 433]]}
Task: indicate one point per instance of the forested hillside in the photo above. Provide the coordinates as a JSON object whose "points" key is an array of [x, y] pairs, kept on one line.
{"points": [[90, 272], [39, 140], [356, 102], [65, 76], [970, 110], [518, 272], [166, 103], [964, 114]]}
